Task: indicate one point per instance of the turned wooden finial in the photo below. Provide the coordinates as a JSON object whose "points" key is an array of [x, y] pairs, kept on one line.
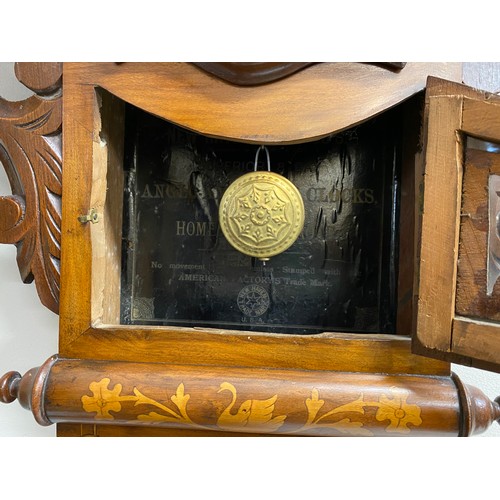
{"points": [[482, 411], [28, 389], [13, 386], [9, 385], [478, 411]]}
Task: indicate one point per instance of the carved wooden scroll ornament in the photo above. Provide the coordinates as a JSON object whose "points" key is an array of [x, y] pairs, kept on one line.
{"points": [[30, 151]]}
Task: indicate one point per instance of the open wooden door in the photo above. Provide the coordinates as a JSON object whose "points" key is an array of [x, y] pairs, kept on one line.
{"points": [[458, 254]]}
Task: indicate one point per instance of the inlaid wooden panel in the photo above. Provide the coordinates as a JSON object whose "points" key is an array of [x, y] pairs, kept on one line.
{"points": [[246, 400], [224, 399]]}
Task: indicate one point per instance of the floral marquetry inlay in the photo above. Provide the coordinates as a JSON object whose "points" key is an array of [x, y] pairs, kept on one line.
{"points": [[398, 412], [392, 411], [104, 401]]}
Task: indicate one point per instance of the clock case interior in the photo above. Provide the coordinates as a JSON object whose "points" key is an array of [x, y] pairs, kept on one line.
{"points": [[169, 264]]}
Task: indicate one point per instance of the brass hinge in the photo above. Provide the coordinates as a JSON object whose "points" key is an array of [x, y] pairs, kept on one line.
{"points": [[92, 216]]}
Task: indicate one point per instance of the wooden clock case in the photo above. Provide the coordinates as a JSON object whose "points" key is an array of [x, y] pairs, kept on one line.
{"points": [[113, 379]]}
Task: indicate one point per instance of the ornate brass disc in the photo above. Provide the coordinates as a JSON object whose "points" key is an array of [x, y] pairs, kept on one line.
{"points": [[261, 214]]}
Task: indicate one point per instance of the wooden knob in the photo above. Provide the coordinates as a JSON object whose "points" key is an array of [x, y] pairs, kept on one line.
{"points": [[9, 384], [11, 212], [41, 77], [496, 404]]}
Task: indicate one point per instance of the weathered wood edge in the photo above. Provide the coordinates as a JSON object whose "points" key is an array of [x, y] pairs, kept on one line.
{"points": [[438, 224], [449, 344]]}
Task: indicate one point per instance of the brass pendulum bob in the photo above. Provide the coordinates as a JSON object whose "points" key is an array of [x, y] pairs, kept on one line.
{"points": [[261, 214]]}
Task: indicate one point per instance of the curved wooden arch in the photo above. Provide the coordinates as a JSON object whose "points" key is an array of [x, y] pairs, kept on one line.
{"points": [[310, 104]]}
